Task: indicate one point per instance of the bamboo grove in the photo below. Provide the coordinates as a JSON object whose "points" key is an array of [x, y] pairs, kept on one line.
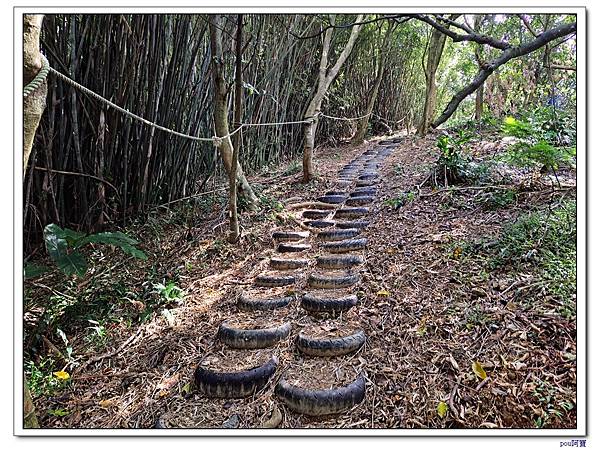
{"points": [[91, 166]]}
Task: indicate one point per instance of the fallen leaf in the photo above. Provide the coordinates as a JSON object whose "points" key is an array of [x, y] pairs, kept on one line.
{"points": [[169, 382], [187, 388], [457, 252], [106, 403], [479, 370], [62, 375], [383, 293], [442, 409]]}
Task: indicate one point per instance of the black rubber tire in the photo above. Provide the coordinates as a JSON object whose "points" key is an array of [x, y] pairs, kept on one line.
{"points": [[263, 304], [339, 261], [338, 235], [332, 199], [360, 200], [362, 193], [315, 214], [362, 183], [252, 339], [274, 280], [336, 193], [343, 183], [287, 264], [234, 384], [292, 248], [330, 346], [290, 235], [352, 212], [321, 402], [345, 246], [360, 224], [328, 304], [321, 281], [319, 223]]}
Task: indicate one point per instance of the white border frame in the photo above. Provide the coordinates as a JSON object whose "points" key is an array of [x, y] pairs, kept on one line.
{"points": [[582, 355]]}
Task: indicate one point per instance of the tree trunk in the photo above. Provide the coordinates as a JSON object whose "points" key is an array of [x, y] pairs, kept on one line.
{"points": [[363, 123], [221, 111], [234, 228], [479, 103], [33, 108], [325, 79], [434, 55], [35, 103], [478, 56]]}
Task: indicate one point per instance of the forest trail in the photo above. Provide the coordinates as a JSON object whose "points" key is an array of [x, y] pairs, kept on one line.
{"points": [[425, 325]]}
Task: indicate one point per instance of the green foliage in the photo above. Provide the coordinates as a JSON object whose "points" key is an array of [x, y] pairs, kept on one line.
{"points": [[498, 199], [293, 168], [62, 245], [546, 241], [453, 165], [541, 154], [401, 200], [537, 142], [40, 378], [170, 292]]}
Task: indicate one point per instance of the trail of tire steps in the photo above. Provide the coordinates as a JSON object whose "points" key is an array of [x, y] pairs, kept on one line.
{"points": [[324, 264]]}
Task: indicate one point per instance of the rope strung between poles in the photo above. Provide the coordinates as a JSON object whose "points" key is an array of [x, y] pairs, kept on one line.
{"points": [[217, 141], [37, 81], [345, 118]]}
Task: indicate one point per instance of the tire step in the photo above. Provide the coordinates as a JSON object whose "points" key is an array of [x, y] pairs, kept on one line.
{"points": [[234, 384], [326, 281], [330, 346], [347, 245], [274, 280], [316, 304], [337, 235], [361, 193], [351, 212], [252, 338], [292, 248], [332, 199], [290, 235], [339, 261], [261, 304], [315, 213], [319, 223], [360, 224], [287, 263], [360, 200]]}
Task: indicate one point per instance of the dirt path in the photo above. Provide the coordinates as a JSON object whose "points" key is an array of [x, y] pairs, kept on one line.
{"points": [[425, 325]]}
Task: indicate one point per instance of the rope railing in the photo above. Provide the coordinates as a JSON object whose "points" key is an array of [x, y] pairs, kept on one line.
{"points": [[216, 140]]}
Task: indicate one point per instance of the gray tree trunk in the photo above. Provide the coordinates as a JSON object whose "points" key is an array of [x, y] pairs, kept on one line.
{"points": [[324, 81], [221, 111]]}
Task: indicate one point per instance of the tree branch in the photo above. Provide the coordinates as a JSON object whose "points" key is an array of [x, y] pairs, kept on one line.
{"points": [[510, 53], [456, 37]]}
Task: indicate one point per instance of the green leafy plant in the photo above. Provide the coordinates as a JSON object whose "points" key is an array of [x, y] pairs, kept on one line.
{"points": [[401, 200], [533, 148], [63, 246], [453, 165], [498, 199], [169, 292]]}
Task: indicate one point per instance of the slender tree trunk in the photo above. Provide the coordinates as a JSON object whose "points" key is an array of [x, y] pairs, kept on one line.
{"points": [[479, 103], [234, 228], [434, 55], [478, 56], [35, 103], [363, 124], [325, 79], [221, 110], [33, 108]]}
